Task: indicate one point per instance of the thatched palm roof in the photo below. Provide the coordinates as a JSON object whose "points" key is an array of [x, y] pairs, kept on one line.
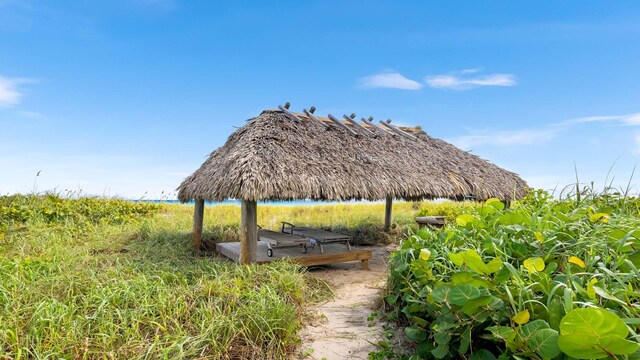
{"points": [[275, 156]]}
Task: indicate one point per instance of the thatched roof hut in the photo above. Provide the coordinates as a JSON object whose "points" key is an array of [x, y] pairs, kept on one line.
{"points": [[285, 156]]}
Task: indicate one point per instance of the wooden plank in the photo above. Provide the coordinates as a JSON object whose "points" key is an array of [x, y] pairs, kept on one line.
{"points": [[198, 217], [334, 253], [248, 232], [387, 213]]}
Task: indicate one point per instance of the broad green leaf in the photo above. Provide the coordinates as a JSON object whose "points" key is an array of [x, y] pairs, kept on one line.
{"points": [[576, 260], [425, 254], [591, 291], [539, 236], [415, 333], [522, 317], [599, 217], [534, 264], [441, 293], [494, 265], [441, 351], [482, 354], [472, 306], [464, 277], [594, 333], [472, 259], [505, 333], [544, 342], [442, 338], [465, 341], [465, 219], [460, 294], [495, 203]]}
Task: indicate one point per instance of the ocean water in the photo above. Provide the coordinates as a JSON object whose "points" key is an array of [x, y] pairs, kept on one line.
{"points": [[276, 203]]}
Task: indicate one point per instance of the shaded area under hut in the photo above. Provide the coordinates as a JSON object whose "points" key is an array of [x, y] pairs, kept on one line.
{"points": [[282, 155]]}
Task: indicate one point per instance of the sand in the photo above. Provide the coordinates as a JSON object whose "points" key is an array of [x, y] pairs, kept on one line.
{"points": [[340, 328]]}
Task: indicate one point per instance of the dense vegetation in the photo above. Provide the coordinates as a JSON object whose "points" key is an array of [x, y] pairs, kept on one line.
{"points": [[108, 278], [543, 279], [95, 278]]}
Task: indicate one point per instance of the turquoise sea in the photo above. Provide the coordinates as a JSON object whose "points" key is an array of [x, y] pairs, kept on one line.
{"points": [[275, 203]]}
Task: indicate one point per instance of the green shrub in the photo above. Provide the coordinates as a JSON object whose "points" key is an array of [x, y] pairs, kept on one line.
{"points": [[450, 209], [544, 279]]}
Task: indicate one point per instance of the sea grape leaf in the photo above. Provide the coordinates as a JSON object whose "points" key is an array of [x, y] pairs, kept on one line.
{"points": [[544, 342], [556, 312], [576, 260], [594, 333], [465, 277], [441, 293], [522, 317], [441, 351], [534, 264], [482, 354], [495, 203], [442, 338], [465, 219], [460, 294], [465, 341], [472, 259], [538, 236], [472, 306], [425, 254], [599, 217], [505, 333], [494, 265], [415, 333], [591, 291]]}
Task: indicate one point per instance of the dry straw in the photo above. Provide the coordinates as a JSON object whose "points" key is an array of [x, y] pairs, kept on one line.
{"points": [[277, 157]]}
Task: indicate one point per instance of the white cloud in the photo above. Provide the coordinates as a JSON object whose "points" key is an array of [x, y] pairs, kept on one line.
{"points": [[10, 94], [390, 80], [458, 80], [504, 138], [626, 120]]}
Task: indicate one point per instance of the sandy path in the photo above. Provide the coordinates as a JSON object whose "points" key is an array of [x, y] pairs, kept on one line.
{"points": [[341, 329]]}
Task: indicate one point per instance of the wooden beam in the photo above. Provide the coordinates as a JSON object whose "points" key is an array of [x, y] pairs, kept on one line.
{"points": [[339, 123], [381, 130], [288, 113], [198, 216], [357, 124], [248, 231], [312, 117], [387, 213], [398, 131]]}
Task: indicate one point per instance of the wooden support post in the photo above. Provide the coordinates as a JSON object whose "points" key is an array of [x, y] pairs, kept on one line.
{"points": [[387, 213], [248, 231], [198, 216]]}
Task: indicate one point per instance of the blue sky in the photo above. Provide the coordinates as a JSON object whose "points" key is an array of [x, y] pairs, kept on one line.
{"points": [[129, 97]]}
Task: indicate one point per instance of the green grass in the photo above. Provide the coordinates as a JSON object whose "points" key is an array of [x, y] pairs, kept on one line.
{"points": [[95, 278]]}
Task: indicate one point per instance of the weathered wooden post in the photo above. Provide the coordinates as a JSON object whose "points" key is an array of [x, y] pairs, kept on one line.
{"points": [[248, 231], [387, 213], [198, 216]]}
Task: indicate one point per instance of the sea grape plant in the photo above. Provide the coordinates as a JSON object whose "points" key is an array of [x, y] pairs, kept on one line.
{"points": [[543, 279]]}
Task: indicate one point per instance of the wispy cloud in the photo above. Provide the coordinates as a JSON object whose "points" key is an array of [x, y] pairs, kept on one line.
{"points": [[389, 79], [626, 120], [504, 138], [460, 80], [10, 93]]}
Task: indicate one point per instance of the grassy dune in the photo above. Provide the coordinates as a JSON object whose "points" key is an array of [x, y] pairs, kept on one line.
{"points": [[94, 278]]}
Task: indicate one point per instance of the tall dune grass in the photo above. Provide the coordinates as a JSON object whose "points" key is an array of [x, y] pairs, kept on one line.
{"points": [[94, 278]]}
